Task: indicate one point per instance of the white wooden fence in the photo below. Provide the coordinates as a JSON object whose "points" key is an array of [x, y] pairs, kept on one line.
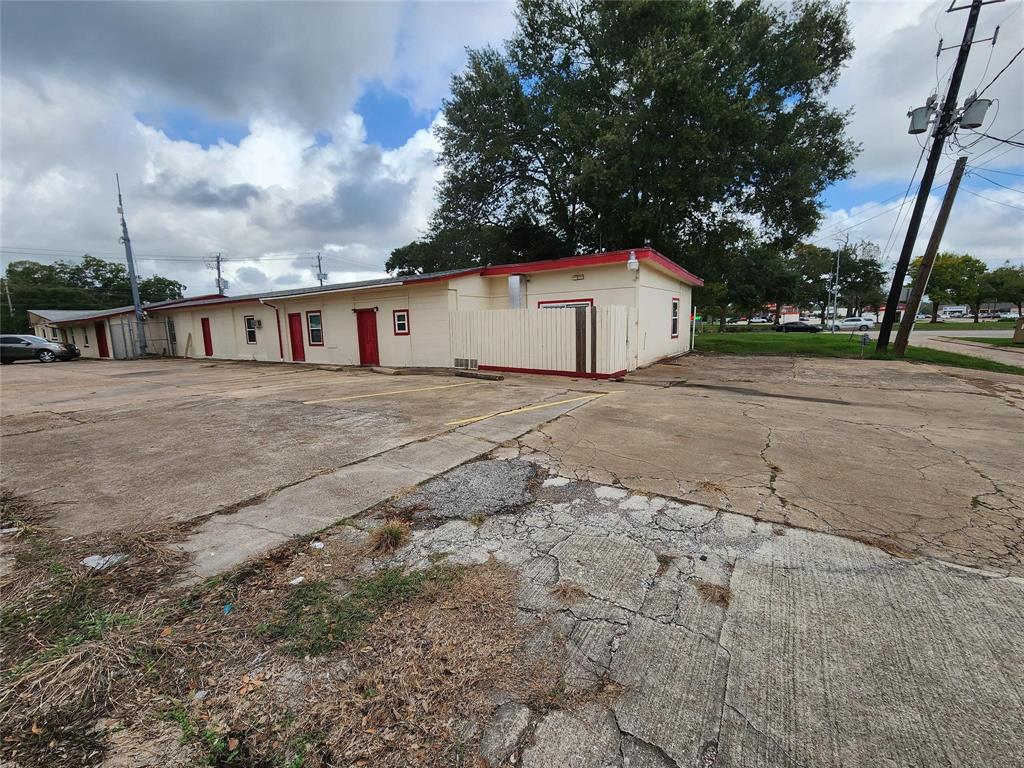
{"points": [[584, 341]]}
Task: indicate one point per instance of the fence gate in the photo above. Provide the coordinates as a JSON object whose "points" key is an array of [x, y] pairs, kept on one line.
{"points": [[591, 342], [122, 341]]}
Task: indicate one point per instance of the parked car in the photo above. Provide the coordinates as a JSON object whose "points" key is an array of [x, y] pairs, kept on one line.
{"points": [[798, 326], [759, 321], [853, 324], [1009, 316], [28, 347]]}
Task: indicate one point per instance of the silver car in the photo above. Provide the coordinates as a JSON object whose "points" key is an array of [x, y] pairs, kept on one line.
{"points": [[853, 324], [27, 347]]}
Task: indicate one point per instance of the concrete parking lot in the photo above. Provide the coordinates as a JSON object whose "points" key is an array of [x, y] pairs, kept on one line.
{"points": [[151, 443], [735, 561]]}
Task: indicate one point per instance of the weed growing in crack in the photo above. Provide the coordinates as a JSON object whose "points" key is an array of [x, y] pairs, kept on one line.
{"points": [[388, 537], [664, 563], [477, 519], [715, 594], [568, 593]]}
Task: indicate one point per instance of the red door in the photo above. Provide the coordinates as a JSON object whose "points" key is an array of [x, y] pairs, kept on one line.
{"points": [[366, 325], [207, 337], [101, 339], [295, 334]]}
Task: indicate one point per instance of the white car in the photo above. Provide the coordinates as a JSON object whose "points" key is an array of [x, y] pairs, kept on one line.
{"points": [[853, 324]]}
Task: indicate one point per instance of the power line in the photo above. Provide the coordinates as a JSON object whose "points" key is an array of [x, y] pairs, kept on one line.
{"points": [[993, 181], [1011, 142], [903, 202], [997, 202], [1008, 173], [1018, 53], [862, 221]]}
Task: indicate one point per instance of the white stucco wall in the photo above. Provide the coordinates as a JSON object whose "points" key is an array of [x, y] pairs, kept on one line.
{"points": [[654, 337], [427, 344]]}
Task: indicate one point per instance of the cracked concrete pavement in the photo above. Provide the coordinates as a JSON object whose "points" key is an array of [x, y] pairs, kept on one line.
{"points": [[913, 458], [738, 561], [809, 650]]}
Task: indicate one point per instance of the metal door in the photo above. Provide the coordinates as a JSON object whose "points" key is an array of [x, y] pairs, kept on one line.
{"points": [[295, 334], [207, 337], [366, 326]]}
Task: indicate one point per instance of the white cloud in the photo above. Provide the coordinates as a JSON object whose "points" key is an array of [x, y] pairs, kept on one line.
{"points": [[292, 72], [276, 193], [894, 69]]}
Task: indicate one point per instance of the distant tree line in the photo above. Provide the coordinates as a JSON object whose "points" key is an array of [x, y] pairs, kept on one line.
{"points": [[958, 278], [90, 283]]}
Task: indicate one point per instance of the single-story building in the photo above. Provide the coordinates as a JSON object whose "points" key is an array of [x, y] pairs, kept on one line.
{"points": [[593, 315]]}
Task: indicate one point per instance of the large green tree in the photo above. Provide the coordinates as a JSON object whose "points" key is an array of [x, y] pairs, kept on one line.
{"points": [[701, 128], [89, 283], [956, 278], [1006, 283]]}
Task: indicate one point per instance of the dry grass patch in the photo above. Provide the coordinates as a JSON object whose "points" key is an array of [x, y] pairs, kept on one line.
{"points": [[664, 563], [386, 538], [568, 593], [715, 594], [348, 667]]}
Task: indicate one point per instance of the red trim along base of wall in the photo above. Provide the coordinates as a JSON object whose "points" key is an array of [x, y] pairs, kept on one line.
{"points": [[545, 372]]}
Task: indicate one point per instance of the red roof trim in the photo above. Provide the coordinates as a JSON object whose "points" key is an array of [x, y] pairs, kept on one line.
{"points": [[593, 260]]}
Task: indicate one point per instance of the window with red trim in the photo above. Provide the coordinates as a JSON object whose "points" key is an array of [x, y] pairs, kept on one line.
{"points": [[675, 317], [315, 328], [400, 322]]}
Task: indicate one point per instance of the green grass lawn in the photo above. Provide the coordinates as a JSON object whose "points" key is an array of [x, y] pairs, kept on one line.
{"points": [[832, 345], [998, 341], [965, 325]]}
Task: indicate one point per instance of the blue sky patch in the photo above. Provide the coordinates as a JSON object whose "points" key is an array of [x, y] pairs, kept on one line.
{"points": [[389, 118], [185, 124]]}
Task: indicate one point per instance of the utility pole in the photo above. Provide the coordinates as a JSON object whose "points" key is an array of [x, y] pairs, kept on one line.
{"points": [[917, 292], [320, 274], [943, 127], [218, 261], [835, 284], [132, 278]]}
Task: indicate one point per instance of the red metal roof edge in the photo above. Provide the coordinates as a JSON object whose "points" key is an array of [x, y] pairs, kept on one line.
{"points": [[595, 259]]}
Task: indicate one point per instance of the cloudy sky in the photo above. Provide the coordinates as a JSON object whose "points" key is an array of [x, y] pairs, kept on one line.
{"points": [[268, 132]]}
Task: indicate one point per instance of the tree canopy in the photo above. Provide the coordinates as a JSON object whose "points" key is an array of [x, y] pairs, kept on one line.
{"points": [[956, 278], [700, 128], [89, 283]]}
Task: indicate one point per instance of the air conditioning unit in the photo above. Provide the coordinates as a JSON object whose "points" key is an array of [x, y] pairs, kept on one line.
{"points": [[259, 323]]}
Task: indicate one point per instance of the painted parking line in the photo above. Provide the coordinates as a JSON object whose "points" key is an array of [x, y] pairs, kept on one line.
{"points": [[536, 407], [389, 392]]}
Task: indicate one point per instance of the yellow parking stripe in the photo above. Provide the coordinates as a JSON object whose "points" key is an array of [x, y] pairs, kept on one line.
{"points": [[389, 392], [536, 407]]}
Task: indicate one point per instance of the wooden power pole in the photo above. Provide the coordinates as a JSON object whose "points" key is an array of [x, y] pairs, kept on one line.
{"points": [[921, 283], [945, 125]]}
